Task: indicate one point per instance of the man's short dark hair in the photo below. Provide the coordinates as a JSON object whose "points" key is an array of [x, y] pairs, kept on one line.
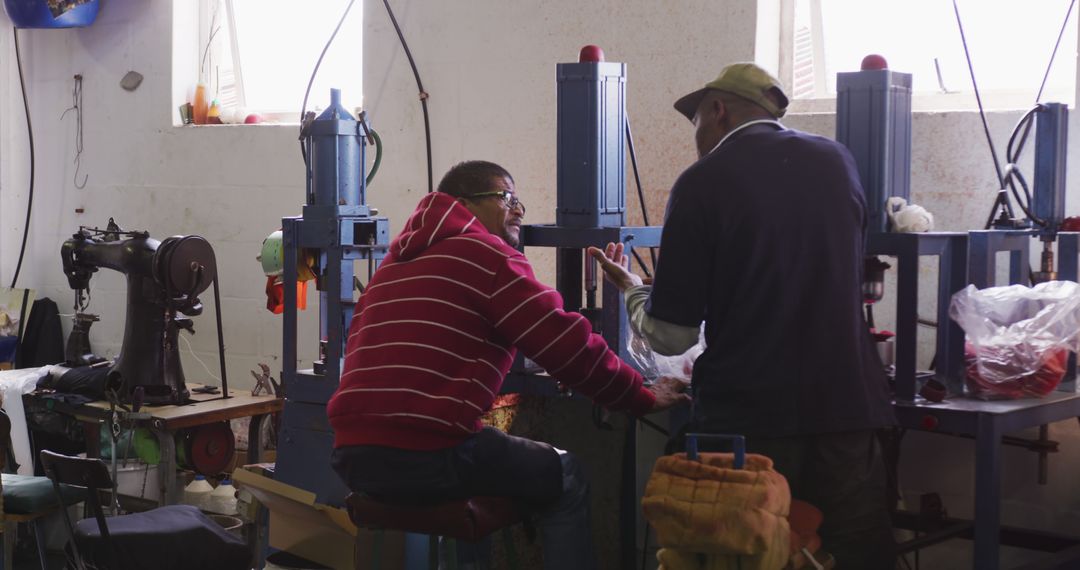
{"points": [[472, 177]]}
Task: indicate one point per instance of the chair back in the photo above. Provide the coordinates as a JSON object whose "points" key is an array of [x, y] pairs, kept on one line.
{"points": [[77, 471], [80, 472]]}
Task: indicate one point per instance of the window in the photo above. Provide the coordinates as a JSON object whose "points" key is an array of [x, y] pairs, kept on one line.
{"points": [[258, 55], [1010, 45]]}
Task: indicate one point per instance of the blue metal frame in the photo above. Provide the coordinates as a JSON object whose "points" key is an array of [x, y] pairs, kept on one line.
{"points": [[339, 229], [570, 244], [988, 421], [951, 249], [984, 245]]}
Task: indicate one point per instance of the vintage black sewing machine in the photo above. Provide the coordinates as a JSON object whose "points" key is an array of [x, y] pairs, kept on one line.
{"points": [[163, 281]]}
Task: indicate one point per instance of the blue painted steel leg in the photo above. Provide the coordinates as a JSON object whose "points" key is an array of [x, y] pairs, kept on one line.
{"points": [[952, 277], [1068, 261], [987, 492], [907, 306]]}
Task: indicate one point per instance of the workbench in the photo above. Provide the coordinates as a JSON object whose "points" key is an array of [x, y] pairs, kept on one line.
{"points": [[987, 422], [164, 421]]}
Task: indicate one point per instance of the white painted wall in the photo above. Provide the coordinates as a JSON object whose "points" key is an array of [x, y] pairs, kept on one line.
{"points": [[230, 184], [489, 66]]}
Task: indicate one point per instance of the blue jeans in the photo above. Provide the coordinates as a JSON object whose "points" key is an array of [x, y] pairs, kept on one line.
{"points": [[548, 484]]}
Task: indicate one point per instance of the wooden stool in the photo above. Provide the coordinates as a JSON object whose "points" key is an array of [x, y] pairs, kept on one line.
{"points": [[469, 520]]}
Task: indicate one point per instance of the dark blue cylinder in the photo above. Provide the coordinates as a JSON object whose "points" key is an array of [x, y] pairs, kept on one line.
{"points": [[873, 120], [336, 155], [591, 132], [1051, 149]]}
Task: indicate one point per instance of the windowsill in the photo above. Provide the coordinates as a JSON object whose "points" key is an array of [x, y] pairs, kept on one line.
{"points": [[234, 125], [929, 103]]}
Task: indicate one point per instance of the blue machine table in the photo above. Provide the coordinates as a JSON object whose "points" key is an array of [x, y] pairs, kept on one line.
{"points": [[987, 422]]}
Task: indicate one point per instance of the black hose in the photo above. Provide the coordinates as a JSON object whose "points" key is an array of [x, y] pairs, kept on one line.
{"points": [[30, 133], [420, 87]]}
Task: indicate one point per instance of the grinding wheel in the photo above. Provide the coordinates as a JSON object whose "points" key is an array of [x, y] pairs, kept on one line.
{"points": [[208, 449]]}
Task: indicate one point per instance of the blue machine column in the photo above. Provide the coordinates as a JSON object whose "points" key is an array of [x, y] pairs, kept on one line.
{"points": [[873, 120], [590, 210], [338, 230]]}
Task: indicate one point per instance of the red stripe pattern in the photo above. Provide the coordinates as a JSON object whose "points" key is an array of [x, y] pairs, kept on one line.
{"points": [[435, 333]]}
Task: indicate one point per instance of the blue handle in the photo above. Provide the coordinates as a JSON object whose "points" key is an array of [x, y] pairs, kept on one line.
{"points": [[738, 446]]}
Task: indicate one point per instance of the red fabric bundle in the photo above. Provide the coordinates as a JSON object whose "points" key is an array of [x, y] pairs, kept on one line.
{"points": [[1036, 384]]}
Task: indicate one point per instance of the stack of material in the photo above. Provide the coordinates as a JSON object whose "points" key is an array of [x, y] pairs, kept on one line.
{"points": [[710, 516]]}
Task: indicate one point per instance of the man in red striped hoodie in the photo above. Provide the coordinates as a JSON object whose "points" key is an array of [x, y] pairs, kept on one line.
{"points": [[430, 343]]}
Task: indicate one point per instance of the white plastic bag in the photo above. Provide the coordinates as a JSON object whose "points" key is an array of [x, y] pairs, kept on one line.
{"points": [[653, 365], [1018, 336]]}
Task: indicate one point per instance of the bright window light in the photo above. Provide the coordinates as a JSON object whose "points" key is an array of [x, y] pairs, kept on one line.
{"points": [[1010, 45], [262, 52]]}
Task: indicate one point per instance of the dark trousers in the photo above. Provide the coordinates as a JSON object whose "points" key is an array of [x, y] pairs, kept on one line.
{"points": [[843, 475], [548, 484]]}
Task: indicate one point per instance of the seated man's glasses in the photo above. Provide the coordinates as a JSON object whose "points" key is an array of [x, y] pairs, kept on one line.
{"points": [[508, 197]]}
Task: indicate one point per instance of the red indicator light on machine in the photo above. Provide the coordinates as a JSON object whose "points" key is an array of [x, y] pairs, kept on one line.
{"points": [[873, 62], [591, 53], [928, 422]]}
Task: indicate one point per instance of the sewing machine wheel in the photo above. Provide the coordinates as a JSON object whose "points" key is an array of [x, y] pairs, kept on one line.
{"points": [[184, 265], [208, 449]]}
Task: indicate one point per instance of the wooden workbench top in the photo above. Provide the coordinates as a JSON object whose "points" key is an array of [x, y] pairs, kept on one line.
{"points": [[202, 409]]}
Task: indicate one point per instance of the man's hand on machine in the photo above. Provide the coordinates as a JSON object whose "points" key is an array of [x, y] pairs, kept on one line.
{"points": [[669, 392], [615, 263]]}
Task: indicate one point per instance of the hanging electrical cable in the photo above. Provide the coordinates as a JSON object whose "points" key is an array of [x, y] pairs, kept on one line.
{"points": [[1053, 54], [76, 105], [1002, 198], [30, 135], [423, 94], [637, 179], [311, 80]]}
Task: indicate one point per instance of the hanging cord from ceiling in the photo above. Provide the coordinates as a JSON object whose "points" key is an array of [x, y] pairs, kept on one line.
{"points": [[30, 134], [420, 87], [76, 105], [1001, 197], [311, 80]]}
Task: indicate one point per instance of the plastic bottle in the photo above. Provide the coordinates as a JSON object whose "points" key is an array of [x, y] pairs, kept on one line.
{"points": [[197, 493], [213, 114], [200, 106], [223, 499]]}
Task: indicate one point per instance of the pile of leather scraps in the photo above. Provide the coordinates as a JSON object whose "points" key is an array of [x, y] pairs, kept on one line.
{"points": [[710, 516]]}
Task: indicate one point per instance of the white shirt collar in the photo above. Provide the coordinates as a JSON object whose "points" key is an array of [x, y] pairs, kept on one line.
{"points": [[743, 126]]}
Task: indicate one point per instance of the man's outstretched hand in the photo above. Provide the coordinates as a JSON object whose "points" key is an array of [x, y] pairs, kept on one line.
{"points": [[615, 263], [669, 392]]}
